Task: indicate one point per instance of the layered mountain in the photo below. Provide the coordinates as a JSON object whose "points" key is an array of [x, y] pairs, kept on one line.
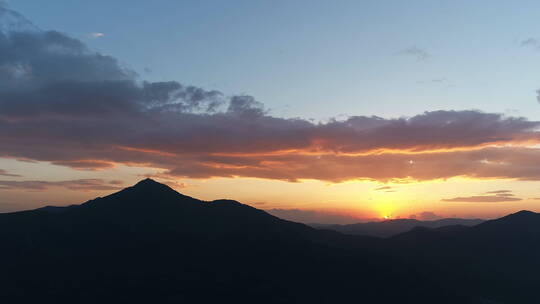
{"points": [[149, 243], [389, 228], [497, 259]]}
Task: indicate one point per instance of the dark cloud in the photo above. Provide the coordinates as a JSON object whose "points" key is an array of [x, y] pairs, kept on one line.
{"points": [[383, 188], [12, 21], [78, 185], [63, 103]]}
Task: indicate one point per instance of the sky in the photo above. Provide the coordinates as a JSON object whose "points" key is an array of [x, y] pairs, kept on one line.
{"points": [[316, 111]]}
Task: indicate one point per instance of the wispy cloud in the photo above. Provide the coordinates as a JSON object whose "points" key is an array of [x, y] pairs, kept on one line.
{"points": [[532, 43], [5, 173], [439, 82], [499, 192], [95, 35], [503, 193], [78, 185], [489, 197], [415, 52], [426, 216]]}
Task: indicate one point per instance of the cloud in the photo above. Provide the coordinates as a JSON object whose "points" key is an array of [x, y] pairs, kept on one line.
{"points": [[426, 216], [12, 21], [415, 52], [383, 188], [499, 192], [77, 185], [175, 184], [532, 43], [95, 35], [63, 103], [5, 173], [483, 199], [434, 81], [492, 196]]}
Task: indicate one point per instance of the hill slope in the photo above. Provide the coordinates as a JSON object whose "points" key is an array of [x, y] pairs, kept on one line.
{"points": [[393, 227], [497, 259], [148, 243]]}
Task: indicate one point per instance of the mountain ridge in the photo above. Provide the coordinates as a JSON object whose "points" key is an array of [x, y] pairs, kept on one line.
{"points": [[394, 227], [149, 243]]}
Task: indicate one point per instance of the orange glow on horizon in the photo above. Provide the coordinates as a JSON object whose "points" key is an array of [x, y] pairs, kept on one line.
{"points": [[310, 151]]}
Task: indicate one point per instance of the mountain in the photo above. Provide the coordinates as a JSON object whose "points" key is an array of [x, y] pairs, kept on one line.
{"points": [[149, 243], [497, 259], [393, 227]]}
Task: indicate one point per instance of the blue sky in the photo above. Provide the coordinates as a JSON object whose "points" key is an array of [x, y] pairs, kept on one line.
{"points": [[322, 59]]}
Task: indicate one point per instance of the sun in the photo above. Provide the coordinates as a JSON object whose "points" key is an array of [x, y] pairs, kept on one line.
{"points": [[385, 210]]}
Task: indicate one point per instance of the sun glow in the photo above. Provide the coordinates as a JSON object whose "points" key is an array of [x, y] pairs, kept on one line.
{"points": [[385, 210]]}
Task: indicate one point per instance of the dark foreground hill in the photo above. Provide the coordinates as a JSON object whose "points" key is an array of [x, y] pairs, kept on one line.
{"points": [[393, 227], [150, 244], [497, 259]]}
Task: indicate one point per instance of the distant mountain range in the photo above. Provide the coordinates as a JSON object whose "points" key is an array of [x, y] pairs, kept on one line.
{"points": [[393, 227], [151, 244]]}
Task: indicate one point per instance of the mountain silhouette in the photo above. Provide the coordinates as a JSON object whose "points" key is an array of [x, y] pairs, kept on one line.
{"points": [[149, 243], [497, 259], [389, 228]]}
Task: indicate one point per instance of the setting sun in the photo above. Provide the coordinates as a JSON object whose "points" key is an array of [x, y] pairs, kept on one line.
{"points": [[385, 210]]}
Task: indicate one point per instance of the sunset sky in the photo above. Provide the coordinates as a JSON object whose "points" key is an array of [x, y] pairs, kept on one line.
{"points": [[318, 111]]}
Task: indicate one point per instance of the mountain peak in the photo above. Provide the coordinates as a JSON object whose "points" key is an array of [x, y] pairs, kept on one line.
{"points": [[143, 194], [149, 185], [523, 214], [518, 222], [148, 182]]}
